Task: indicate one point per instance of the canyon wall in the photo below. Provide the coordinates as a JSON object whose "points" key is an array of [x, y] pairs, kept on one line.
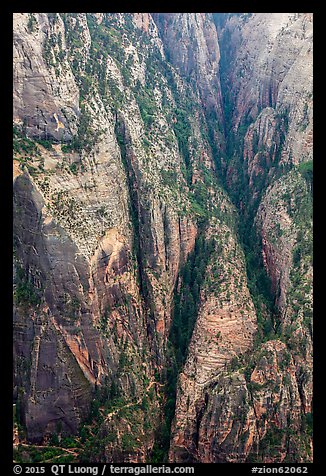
{"points": [[143, 142], [257, 407]]}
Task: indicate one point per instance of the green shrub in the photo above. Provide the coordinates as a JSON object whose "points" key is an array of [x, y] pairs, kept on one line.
{"points": [[31, 23]]}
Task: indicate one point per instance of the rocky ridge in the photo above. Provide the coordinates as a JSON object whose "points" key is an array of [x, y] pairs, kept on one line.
{"points": [[119, 137]]}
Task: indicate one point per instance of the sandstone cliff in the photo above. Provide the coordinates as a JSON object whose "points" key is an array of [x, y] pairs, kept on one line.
{"points": [[226, 417], [148, 150]]}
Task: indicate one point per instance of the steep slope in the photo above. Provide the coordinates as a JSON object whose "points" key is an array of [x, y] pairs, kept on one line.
{"points": [[197, 59], [277, 153], [257, 408], [141, 290], [112, 194], [80, 201]]}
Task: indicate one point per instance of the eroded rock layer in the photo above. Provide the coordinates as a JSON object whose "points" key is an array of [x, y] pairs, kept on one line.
{"points": [[159, 159]]}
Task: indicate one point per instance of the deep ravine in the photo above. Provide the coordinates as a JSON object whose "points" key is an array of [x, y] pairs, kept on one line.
{"points": [[163, 237]]}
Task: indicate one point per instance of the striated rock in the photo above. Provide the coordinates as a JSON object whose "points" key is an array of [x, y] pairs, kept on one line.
{"points": [[125, 126], [111, 237], [192, 46], [46, 97], [224, 329], [253, 417], [256, 71], [47, 371], [286, 234]]}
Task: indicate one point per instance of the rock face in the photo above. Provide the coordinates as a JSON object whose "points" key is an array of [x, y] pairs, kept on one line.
{"points": [[110, 206], [125, 125], [42, 100], [197, 57], [223, 416], [224, 329], [240, 416]]}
